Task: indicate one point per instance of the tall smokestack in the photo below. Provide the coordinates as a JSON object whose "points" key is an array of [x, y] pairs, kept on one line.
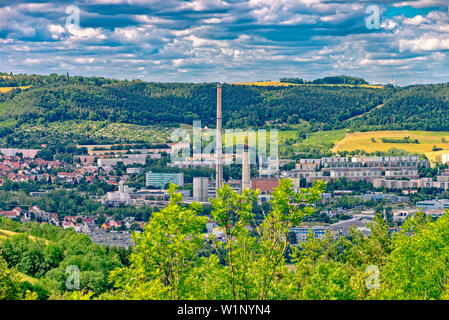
{"points": [[246, 176], [219, 148]]}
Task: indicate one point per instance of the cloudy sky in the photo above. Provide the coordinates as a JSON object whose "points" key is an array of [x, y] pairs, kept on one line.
{"points": [[228, 40]]}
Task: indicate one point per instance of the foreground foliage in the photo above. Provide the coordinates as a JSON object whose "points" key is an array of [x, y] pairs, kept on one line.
{"points": [[173, 258]]}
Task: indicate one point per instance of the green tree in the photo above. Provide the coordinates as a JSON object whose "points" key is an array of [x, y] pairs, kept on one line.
{"points": [[164, 254], [9, 283], [418, 265]]}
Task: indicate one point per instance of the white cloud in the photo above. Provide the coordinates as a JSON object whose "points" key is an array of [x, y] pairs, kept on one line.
{"points": [[425, 43], [55, 30], [85, 33]]}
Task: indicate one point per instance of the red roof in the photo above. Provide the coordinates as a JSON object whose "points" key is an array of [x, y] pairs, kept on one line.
{"points": [[264, 184], [11, 214]]}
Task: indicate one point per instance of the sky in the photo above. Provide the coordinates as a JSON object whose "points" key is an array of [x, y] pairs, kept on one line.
{"points": [[389, 41]]}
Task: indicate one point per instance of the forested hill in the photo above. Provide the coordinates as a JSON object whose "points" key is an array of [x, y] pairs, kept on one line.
{"points": [[423, 107], [44, 99], [60, 98]]}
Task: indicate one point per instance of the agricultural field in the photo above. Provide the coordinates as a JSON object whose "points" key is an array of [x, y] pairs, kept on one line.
{"points": [[120, 132], [371, 141], [325, 139], [6, 233], [286, 84], [7, 89]]}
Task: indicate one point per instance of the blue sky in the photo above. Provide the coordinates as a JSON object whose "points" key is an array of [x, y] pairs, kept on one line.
{"points": [[227, 40]]}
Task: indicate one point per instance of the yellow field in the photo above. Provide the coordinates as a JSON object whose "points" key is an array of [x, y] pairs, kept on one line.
{"points": [[7, 89], [427, 139], [286, 84], [266, 83], [6, 233]]}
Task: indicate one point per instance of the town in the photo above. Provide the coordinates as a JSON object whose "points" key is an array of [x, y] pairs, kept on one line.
{"points": [[118, 186], [399, 186]]}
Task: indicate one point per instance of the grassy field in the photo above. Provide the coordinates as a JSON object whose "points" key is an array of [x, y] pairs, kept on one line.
{"points": [[325, 139], [427, 140], [286, 84], [6, 233], [24, 277]]}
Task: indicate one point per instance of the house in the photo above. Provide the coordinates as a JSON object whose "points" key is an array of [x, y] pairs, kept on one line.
{"points": [[78, 227], [14, 213], [54, 218], [67, 224], [71, 219], [88, 220], [90, 228], [70, 176], [111, 225], [39, 213]]}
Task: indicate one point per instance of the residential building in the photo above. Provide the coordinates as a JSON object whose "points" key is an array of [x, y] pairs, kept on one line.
{"points": [[301, 233], [161, 179]]}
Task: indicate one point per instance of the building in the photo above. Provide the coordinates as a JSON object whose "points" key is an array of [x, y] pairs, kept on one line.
{"points": [[83, 159], [128, 160], [401, 214], [401, 184], [115, 198], [14, 213], [355, 174], [360, 168], [433, 204], [402, 173], [265, 185], [26, 153], [387, 197], [200, 189], [134, 170], [343, 227], [301, 233], [161, 179]]}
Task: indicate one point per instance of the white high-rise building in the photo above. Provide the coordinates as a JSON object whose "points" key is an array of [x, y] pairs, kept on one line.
{"points": [[200, 189]]}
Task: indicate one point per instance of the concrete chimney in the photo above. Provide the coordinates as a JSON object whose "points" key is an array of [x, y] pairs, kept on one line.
{"points": [[219, 147], [246, 174]]}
